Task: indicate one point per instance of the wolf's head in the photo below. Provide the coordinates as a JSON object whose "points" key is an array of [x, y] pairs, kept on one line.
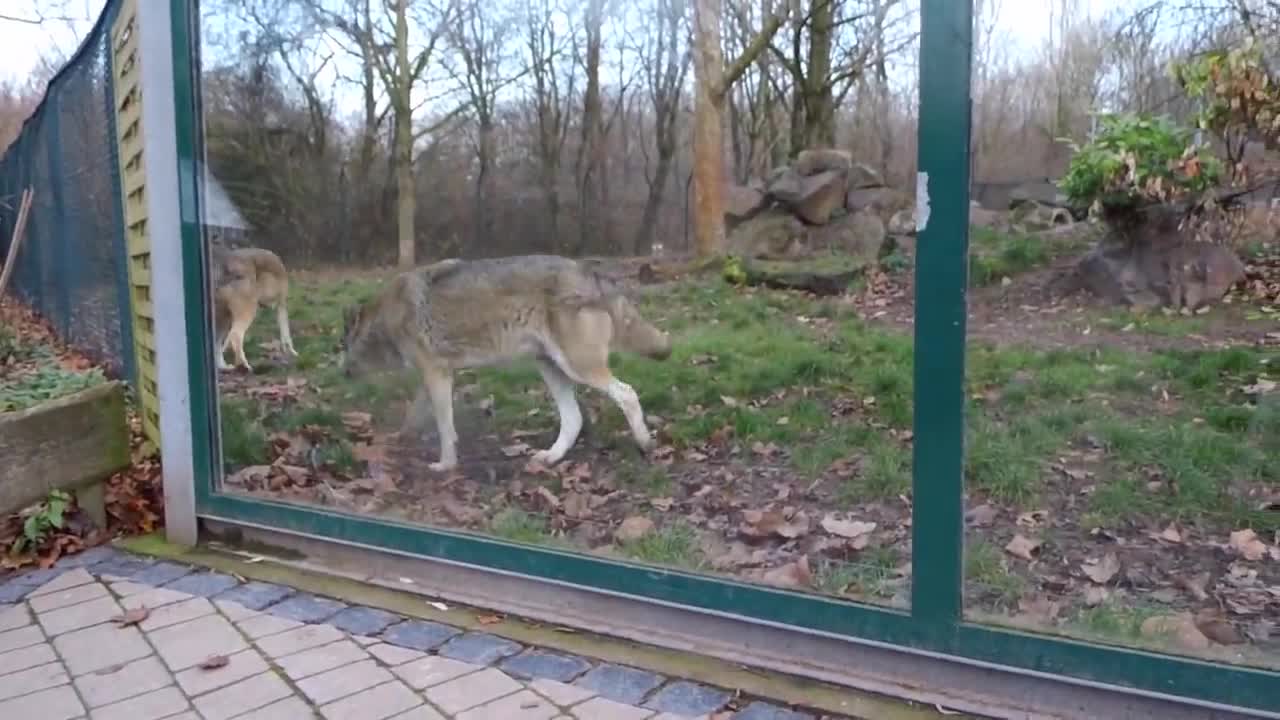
{"points": [[635, 334], [367, 344]]}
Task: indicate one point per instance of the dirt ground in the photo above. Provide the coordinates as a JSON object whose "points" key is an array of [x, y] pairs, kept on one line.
{"points": [[1122, 474]]}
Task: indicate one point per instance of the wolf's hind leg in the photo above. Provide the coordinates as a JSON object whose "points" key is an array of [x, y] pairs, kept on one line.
{"points": [[561, 388], [585, 358]]}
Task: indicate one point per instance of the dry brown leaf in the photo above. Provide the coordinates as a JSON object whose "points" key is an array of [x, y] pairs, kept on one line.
{"points": [[982, 516], [553, 502], [1023, 547], [489, 619], [213, 662], [846, 528], [1170, 534], [1218, 629], [1095, 595], [662, 504], [1247, 545], [1035, 518], [577, 505], [132, 616], [633, 528], [794, 574], [1196, 585], [1101, 571], [1180, 628]]}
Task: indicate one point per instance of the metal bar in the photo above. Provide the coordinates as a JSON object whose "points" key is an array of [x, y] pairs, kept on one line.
{"points": [[942, 220]]}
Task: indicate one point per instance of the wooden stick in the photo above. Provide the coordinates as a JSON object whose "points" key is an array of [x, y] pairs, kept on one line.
{"points": [[19, 231]]}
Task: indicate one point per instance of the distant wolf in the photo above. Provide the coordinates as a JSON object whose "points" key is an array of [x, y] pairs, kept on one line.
{"points": [[244, 279], [459, 314]]}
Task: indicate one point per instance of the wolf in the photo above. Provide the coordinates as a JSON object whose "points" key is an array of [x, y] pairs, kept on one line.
{"points": [[458, 314], [242, 280]]}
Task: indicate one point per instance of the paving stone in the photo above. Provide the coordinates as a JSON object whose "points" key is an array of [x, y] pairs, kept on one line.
{"points": [[196, 681], [260, 626], [86, 558], [764, 711], [621, 684], [256, 692], [58, 703], [479, 648], [32, 679], [689, 699], [419, 634], [431, 671], [117, 683], [68, 597], [298, 639], [63, 620], [65, 581], [37, 577], [524, 705], [422, 712], [189, 715], [560, 693], [167, 615], [471, 690], [363, 620], [321, 659], [603, 709], [26, 657], [290, 708], [365, 640], [20, 638], [534, 664], [189, 643], [376, 703], [344, 681], [161, 573], [121, 567], [151, 706], [673, 716], [14, 591], [307, 608], [14, 617], [101, 646], [393, 654], [234, 610], [132, 595], [203, 584], [256, 595]]}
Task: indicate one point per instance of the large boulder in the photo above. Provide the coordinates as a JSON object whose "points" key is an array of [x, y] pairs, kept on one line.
{"points": [[1158, 264], [817, 160], [1034, 216], [860, 234], [813, 198], [903, 222], [772, 234], [742, 202], [882, 201]]}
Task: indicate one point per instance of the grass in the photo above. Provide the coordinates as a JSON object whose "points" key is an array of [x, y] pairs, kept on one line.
{"points": [[757, 366], [995, 255]]}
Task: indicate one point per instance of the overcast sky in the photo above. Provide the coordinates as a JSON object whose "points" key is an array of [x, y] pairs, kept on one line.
{"points": [[21, 45]]}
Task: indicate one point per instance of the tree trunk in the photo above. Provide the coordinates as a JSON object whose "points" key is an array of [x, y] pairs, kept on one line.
{"points": [[484, 176], [708, 136], [589, 153], [820, 110], [406, 190]]}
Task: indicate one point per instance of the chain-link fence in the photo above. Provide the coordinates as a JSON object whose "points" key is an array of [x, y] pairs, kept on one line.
{"points": [[71, 266]]}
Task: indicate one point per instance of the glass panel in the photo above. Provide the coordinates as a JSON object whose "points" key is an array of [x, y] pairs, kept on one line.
{"points": [[779, 425], [1122, 421]]}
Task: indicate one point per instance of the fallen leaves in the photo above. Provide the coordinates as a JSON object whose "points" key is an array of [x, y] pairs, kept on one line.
{"points": [[132, 616], [1023, 547], [845, 528], [1102, 571], [787, 523], [1247, 545], [213, 662], [633, 528]]}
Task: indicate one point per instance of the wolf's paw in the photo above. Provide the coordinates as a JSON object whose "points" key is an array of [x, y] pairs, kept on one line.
{"points": [[441, 467], [547, 457], [289, 349], [647, 443]]}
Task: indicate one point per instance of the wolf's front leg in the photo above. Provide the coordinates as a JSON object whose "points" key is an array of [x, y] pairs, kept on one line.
{"points": [[561, 388], [626, 398], [440, 387]]}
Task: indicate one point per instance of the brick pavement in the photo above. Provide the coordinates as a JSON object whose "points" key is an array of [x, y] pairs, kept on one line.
{"points": [[291, 655]]}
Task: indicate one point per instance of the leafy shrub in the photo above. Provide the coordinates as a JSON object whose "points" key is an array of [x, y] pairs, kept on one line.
{"points": [[1135, 159], [46, 383]]}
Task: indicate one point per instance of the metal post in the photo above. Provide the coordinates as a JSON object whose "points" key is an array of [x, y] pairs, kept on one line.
{"points": [[942, 221]]}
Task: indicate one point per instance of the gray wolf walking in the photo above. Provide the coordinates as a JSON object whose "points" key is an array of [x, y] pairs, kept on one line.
{"points": [[459, 314], [243, 280]]}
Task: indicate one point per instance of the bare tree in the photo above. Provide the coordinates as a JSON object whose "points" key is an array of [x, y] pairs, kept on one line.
{"points": [[665, 58], [713, 79], [549, 100]]}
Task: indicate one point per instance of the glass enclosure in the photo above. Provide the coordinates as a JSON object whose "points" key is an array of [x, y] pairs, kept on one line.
{"points": [[631, 297]]}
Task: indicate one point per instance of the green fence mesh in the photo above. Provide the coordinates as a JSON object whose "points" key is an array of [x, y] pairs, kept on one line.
{"points": [[71, 266]]}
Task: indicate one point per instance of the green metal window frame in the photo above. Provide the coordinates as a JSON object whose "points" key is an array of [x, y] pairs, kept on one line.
{"points": [[935, 622]]}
